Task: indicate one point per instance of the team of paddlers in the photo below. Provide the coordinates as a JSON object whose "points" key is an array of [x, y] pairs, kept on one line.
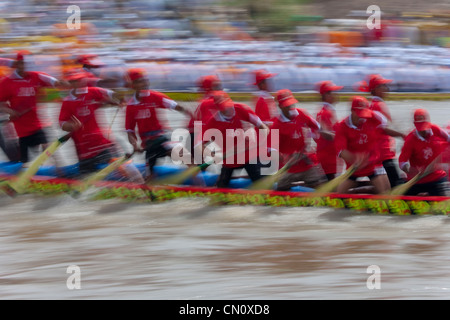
{"points": [[313, 149]]}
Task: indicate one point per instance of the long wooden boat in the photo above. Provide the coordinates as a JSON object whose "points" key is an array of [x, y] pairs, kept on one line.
{"points": [[111, 189]]}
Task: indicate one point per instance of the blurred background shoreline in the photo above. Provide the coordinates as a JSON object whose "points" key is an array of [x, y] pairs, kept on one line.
{"points": [[178, 41]]}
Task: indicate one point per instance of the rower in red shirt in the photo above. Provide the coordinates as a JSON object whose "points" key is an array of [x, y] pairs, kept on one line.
{"points": [[327, 118], [265, 107], [90, 64], [356, 141], [18, 97], [143, 113], [227, 129], [8, 139], [378, 87], [292, 124], [426, 142], [100, 75], [78, 115], [206, 108], [446, 157]]}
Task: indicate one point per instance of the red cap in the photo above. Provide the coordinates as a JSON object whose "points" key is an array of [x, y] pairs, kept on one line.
{"points": [[76, 74], [374, 80], [20, 54], [422, 119], [261, 75], [285, 98], [207, 82], [222, 100], [327, 86], [90, 60], [360, 106], [136, 74]]}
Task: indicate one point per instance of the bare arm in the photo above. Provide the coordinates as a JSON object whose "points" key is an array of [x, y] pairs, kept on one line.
{"points": [[184, 110], [132, 138], [394, 133], [327, 135], [72, 125]]}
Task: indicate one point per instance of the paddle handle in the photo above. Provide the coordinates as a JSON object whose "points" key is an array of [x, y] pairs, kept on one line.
{"points": [[65, 137]]}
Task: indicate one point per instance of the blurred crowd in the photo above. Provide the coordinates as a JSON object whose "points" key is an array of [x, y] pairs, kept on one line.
{"points": [[179, 41]]}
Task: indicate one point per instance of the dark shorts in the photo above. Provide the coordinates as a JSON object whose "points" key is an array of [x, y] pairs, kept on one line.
{"points": [[434, 188], [156, 148], [392, 172], [36, 139], [90, 165], [253, 171]]}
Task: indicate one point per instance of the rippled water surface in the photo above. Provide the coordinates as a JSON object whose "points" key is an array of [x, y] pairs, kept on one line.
{"points": [[187, 249]]}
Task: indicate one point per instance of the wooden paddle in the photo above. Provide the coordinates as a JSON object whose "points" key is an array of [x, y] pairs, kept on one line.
{"points": [[331, 186], [403, 188], [267, 183], [103, 173], [19, 186]]}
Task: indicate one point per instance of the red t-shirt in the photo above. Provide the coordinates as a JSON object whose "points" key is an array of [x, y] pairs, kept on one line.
{"points": [[292, 137], [363, 139], [21, 93], [205, 110], [446, 155], [145, 115], [386, 142], [90, 139], [265, 108], [420, 152], [326, 149], [231, 131]]}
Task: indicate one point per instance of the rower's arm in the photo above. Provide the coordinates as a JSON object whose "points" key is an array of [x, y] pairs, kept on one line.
{"points": [[72, 125], [132, 138], [327, 135], [394, 133], [359, 160], [347, 156], [5, 108], [183, 110]]}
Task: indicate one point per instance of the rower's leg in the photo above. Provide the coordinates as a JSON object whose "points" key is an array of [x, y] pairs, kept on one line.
{"points": [[23, 147], [392, 172], [434, 188], [381, 183], [345, 186], [253, 171], [225, 177], [285, 183]]}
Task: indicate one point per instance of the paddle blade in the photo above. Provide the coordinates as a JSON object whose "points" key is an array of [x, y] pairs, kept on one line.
{"points": [[403, 188], [24, 178], [267, 183], [333, 184], [102, 174]]}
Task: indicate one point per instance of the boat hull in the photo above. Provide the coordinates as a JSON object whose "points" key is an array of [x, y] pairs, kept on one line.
{"points": [[399, 205]]}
